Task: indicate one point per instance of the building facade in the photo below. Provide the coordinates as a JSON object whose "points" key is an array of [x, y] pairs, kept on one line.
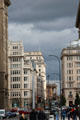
{"points": [[70, 58], [51, 91], [3, 53], [23, 75], [37, 57]]}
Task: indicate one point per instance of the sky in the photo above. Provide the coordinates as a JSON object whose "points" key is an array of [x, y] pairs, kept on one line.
{"points": [[43, 25]]}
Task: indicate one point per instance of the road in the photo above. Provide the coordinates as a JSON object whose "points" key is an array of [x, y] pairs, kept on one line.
{"points": [[15, 118]]}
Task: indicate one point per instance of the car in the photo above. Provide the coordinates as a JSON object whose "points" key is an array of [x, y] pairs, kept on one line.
{"points": [[10, 114], [2, 113], [51, 117]]}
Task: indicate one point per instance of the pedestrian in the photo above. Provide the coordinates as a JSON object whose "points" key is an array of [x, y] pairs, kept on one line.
{"points": [[74, 115], [57, 115], [23, 117], [78, 113], [33, 115], [63, 114], [69, 113], [41, 115]]}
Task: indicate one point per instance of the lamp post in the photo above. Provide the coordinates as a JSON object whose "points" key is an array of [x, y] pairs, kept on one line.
{"points": [[58, 59], [33, 83]]}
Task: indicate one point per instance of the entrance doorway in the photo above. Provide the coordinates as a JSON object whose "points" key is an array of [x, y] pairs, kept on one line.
{"points": [[70, 103]]}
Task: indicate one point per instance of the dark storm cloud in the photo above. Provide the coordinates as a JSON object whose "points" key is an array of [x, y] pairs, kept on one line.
{"points": [[45, 25], [30, 11]]}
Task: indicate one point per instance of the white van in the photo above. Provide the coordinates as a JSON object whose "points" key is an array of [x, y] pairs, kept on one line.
{"points": [[2, 113]]}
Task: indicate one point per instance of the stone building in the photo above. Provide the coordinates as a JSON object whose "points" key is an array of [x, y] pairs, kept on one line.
{"points": [[4, 53], [24, 67], [70, 58], [38, 58], [51, 90]]}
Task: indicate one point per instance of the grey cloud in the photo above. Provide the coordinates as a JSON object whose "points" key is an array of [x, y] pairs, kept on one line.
{"points": [[59, 24], [41, 10]]}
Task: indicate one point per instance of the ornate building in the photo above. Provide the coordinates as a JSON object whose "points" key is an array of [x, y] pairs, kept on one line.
{"points": [[51, 91], [4, 53], [70, 58], [24, 68]]}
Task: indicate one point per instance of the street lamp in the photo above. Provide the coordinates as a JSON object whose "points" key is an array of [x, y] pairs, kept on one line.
{"points": [[58, 59]]}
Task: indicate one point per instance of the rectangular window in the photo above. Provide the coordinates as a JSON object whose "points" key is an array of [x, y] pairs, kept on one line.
{"points": [[16, 85], [15, 59], [25, 71], [15, 47], [25, 78], [14, 72], [25, 85], [78, 64], [25, 93], [78, 71], [78, 77]]}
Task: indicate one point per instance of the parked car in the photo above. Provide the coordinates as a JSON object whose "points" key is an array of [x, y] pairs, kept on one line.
{"points": [[10, 114], [2, 113]]}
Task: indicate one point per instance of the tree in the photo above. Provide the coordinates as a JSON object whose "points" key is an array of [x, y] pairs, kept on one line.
{"points": [[62, 100], [77, 99]]}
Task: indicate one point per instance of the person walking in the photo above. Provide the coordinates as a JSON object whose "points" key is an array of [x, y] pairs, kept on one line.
{"points": [[63, 114], [74, 115], [23, 117], [69, 113], [41, 115], [33, 115], [57, 114]]}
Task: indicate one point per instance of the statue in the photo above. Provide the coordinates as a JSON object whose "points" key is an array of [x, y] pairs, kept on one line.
{"points": [[78, 20]]}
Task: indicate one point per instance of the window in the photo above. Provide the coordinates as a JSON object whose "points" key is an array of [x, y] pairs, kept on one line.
{"points": [[78, 71], [15, 72], [69, 71], [78, 64], [70, 85], [15, 79], [70, 94], [15, 93], [25, 78], [15, 65], [69, 65], [25, 71], [39, 70], [69, 77], [15, 59], [15, 47], [78, 85], [25, 85], [78, 77], [16, 85], [15, 53], [70, 58], [26, 62], [25, 93], [78, 57]]}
